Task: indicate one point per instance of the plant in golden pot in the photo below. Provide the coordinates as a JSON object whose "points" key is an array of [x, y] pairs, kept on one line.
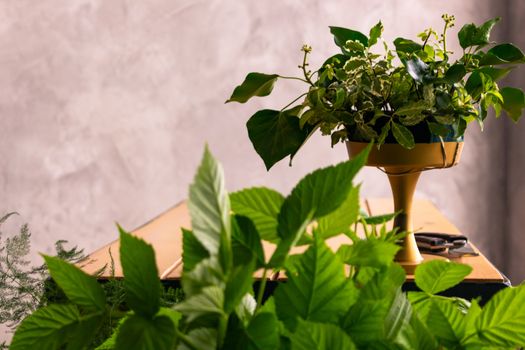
{"points": [[413, 100]]}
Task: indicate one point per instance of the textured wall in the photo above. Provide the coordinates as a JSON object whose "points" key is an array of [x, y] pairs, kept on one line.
{"points": [[106, 105]]}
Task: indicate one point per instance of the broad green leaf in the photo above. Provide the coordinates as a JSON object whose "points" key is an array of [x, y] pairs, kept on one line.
{"points": [[502, 321], [262, 333], [435, 276], [398, 316], [447, 321], [384, 284], [262, 206], [275, 134], [439, 129], [365, 321], [246, 240], [502, 54], [317, 290], [403, 136], [79, 287], [513, 102], [144, 334], [209, 207], [471, 35], [209, 302], [200, 338], [413, 119], [455, 73], [110, 343], [375, 33], [418, 70], [239, 283], [406, 46], [342, 35], [384, 133], [255, 84], [316, 195], [141, 277], [53, 326], [193, 252], [206, 273], [354, 45], [412, 109], [421, 303], [416, 336], [368, 252], [246, 308], [320, 336], [338, 221]]}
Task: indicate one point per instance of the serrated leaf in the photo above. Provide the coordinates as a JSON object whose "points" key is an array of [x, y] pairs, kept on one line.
{"points": [[436, 276], [338, 221], [384, 283], [209, 207], [375, 33], [209, 302], [365, 321], [275, 135], [193, 252], [262, 333], [317, 290], [262, 206], [51, 327], [471, 35], [502, 321], [141, 277], [447, 321], [502, 54], [79, 287], [316, 195], [513, 102], [144, 334], [239, 283], [403, 136], [320, 336], [201, 338], [255, 84], [246, 237], [368, 252]]}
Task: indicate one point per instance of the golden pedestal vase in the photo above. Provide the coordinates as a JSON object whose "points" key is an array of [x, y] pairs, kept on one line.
{"points": [[403, 167]]}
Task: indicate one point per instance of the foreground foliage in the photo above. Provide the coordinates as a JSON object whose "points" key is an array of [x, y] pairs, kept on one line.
{"points": [[347, 299], [415, 92]]}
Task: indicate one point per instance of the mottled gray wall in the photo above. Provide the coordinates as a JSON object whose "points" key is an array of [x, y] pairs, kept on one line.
{"points": [[106, 105]]}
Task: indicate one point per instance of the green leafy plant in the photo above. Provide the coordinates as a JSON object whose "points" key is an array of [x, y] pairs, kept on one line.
{"points": [[413, 93], [347, 299]]}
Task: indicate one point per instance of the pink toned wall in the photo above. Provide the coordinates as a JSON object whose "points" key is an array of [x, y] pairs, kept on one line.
{"points": [[105, 107]]}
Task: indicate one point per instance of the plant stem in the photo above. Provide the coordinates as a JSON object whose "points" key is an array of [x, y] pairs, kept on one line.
{"points": [[262, 287], [303, 67], [295, 100], [293, 78]]}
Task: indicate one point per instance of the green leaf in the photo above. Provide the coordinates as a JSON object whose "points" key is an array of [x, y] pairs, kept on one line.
{"points": [[471, 35], [79, 287], [384, 284], [447, 321], [365, 321], [262, 206], [245, 236], [262, 333], [413, 109], [379, 219], [439, 129], [384, 133], [317, 290], [398, 316], [209, 302], [320, 336], [342, 35], [209, 207], [255, 84], [193, 252], [205, 274], [368, 252], [275, 134], [418, 70], [375, 33], [502, 321], [316, 195], [455, 73], [339, 221], [406, 46], [435, 276], [239, 283], [51, 327], [403, 136], [513, 102], [201, 338], [502, 54], [141, 277], [144, 334]]}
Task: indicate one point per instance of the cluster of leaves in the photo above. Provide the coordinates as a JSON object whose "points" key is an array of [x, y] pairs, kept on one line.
{"points": [[415, 93], [344, 300]]}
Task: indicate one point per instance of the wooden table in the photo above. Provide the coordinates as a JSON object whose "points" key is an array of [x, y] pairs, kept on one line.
{"points": [[164, 233]]}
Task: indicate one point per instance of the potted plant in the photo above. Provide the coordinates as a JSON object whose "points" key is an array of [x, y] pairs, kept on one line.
{"points": [[349, 299], [414, 101]]}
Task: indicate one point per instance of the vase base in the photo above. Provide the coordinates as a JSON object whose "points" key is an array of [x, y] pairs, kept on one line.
{"points": [[410, 267]]}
